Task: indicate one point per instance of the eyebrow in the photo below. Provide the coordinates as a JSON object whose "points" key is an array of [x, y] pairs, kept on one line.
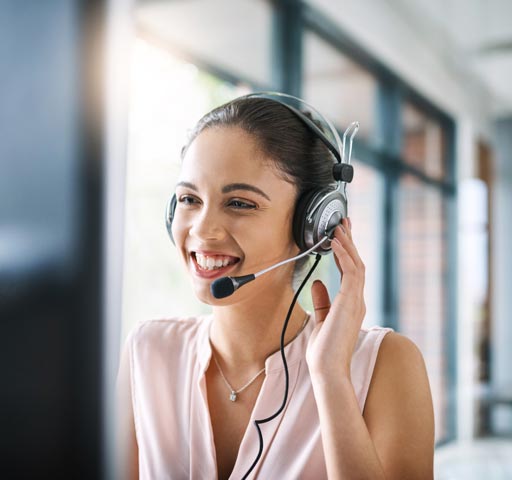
{"points": [[244, 186], [230, 188]]}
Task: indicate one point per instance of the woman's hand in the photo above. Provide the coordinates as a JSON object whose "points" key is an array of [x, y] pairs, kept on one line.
{"points": [[333, 340]]}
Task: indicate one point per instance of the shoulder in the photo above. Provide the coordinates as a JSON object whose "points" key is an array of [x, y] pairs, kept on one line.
{"points": [[156, 328], [398, 368], [394, 344], [372, 336], [397, 353], [167, 333], [399, 403], [367, 348]]}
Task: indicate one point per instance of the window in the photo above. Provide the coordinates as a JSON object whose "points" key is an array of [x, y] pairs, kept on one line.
{"points": [[344, 92], [422, 283], [234, 37], [365, 201], [423, 141], [399, 212], [338, 87]]}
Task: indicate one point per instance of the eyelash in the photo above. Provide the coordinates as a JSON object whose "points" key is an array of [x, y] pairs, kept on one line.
{"points": [[242, 205], [189, 200]]}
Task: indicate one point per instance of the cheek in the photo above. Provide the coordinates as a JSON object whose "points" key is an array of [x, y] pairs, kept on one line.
{"points": [[178, 229], [279, 231]]}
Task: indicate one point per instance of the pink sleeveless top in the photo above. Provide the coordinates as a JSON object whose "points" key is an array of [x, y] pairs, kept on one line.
{"points": [[168, 359]]}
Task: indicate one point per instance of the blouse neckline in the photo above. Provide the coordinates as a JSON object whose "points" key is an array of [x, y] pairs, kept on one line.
{"points": [[294, 350]]}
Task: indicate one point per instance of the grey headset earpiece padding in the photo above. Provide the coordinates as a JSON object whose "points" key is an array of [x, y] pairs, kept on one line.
{"points": [[169, 215], [310, 226]]}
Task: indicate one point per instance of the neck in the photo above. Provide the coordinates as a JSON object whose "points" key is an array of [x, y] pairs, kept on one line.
{"points": [[244, 334]]}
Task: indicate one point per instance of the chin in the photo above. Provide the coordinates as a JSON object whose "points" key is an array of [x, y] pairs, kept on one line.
{"points": [[204, 295]]}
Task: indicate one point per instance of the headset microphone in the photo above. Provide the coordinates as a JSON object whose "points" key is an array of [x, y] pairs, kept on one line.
{"points": [[225, 286]]}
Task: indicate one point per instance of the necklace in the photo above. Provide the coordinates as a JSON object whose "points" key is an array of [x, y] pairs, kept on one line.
{"points": [[234, 393]]}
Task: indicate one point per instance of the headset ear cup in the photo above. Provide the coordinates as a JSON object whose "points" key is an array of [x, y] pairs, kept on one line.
{"points": [[169, 215], [299, 218], [327, 215]]}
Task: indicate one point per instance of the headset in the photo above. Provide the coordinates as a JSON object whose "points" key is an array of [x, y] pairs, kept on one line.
{"points": [[318, 211]]}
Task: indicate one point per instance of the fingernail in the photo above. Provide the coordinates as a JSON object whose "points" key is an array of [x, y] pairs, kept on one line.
{"points": [[343, 229], [349, 223]]}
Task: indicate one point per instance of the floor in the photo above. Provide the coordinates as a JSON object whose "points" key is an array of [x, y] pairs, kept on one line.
{"points": [[483, 459]]}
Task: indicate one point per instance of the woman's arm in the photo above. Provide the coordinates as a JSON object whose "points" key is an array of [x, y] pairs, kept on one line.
{"points": [[394, 439], [128, 451]]}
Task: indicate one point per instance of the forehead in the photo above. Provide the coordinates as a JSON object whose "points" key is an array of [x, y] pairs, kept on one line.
{"points": [[230, 155]]}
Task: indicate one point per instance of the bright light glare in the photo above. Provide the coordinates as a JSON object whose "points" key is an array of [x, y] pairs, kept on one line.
{"points": [[167, 97]]}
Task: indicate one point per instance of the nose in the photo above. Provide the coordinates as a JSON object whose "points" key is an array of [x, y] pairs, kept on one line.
{"points": [[207, 225]]}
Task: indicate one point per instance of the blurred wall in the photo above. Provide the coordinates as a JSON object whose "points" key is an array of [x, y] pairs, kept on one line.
{"points": [[50, 239], [501, 355]]}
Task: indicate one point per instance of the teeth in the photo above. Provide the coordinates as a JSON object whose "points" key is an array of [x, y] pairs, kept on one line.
{"points": [[213, 263]]}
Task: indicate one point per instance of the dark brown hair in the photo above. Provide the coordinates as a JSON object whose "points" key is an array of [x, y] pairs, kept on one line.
{"points": [[282, 137]]}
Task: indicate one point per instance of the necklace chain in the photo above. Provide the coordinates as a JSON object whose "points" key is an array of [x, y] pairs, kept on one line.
{"points": [[233, 393]]}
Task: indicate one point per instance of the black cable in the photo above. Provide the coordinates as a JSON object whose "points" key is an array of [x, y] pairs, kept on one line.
{"points": [[287, 375]]}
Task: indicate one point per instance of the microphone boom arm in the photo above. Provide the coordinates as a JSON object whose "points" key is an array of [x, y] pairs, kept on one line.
{"points": [[225, 286], [303, 254]]}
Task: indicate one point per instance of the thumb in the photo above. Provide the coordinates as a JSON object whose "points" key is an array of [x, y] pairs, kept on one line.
{"points": [[321, 302]]}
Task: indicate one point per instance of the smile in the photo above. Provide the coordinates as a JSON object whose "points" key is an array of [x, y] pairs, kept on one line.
{"points": [[211, 265], [214, 262]]}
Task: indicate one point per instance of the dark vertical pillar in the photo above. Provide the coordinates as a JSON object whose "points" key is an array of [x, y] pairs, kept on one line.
{"points": [[51, 154], [287, 47], [388, 138], [450, 295]]}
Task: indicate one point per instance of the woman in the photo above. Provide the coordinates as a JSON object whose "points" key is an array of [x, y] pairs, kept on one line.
{"points": [[359, 403]]}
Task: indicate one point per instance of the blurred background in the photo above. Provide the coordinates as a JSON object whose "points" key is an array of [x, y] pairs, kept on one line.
{"points": [[97, 99]]}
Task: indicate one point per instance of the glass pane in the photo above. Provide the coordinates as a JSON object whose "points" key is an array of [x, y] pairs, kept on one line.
{"points": [[364, 209], [422, 284], [167, 97], [423, 141], [234, 36], [339, 88]]}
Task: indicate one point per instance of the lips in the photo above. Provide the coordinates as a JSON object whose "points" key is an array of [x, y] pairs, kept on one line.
{"points": [[212, 264]]}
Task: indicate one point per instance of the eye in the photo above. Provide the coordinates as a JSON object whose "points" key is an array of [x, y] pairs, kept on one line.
{"points": [[241, 205], [188, 200]]}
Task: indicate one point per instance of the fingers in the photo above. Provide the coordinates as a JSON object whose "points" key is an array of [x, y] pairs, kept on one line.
{"points": [[321, 302], [347, 256], [343, 234]]}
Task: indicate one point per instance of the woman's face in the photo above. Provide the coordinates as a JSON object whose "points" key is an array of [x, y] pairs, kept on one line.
{"points": [[234, 214]]}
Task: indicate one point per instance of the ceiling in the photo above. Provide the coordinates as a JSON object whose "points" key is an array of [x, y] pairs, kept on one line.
{"points": [[475, 34], [473, 37]]}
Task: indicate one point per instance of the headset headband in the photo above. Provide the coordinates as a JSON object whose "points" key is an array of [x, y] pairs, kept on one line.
{"points": [[342, 171]]}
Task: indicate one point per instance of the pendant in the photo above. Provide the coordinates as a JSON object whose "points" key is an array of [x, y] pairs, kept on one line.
{"points": [[232, 397]]}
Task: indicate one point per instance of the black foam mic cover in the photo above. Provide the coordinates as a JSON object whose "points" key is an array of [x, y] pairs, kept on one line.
{"points": [[225, 286], [222, 287]]}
